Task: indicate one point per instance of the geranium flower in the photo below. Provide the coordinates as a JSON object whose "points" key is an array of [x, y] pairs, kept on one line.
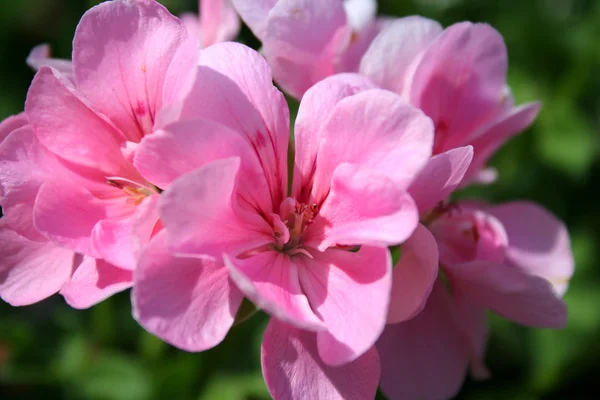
{"points": [[68, 176], [315, 257]]}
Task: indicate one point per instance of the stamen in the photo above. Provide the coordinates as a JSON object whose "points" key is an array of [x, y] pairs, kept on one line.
{"points": [[134, 189], [296, 217]]}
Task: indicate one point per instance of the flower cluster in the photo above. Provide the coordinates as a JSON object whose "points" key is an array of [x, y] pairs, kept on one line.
{"points": [[157, 160]]}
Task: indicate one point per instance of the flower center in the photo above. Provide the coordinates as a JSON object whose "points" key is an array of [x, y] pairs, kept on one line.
{"points": [[136, 191], [293, 220]]}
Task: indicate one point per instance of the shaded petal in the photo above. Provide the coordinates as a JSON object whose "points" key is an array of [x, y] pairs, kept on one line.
{"points": [[362, 207], [40, 56], [293, 369], [315, 108], [350, 58], [202, 214], [67, 214], [188, 302], [255, 14], [270, 280], [24, 165], [59, 115], [191, 22], [375, 129], [537, 242], [396, 48], [460, 81], [234, 87], [303, 40], [12, 123], [510, 292], [119, 241], [121, 54], [494, 135], [180, 76], [350, 291], [413, 276], [93, 281], [426, 357], [468, 234], [442, 174], [218, 21], [191, 144], [470, 318], [252, 75], [30, 271]]}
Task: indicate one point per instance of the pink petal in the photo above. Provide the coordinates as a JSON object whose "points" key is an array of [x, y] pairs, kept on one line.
{"points": [[24, 166], [191, 22], [22, 170], [65, 123], [94, 281], [362, 207], [189, 145], [12, 123], [270, 280], [350, 291], [255, 14], [218, 21], [511, 292], [397, 47], [360, 41], [119, 241], [374, 129], [466, 234], [491, 137], [67, 214], [180, 77], [470, 319], [252, 75], [234, 87], [302, 41], [460, 81], [537, 242], [188, 302], [442, 174], [202, 214], [293, 369], [413, 276], [30, 271], [40, 57], [426, 357], [121, 54], [316, 105]]}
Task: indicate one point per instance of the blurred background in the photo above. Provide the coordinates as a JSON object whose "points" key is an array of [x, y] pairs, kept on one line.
{"points": [[49, 351]]}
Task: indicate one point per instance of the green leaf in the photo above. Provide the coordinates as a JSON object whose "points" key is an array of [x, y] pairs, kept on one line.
{"points": [[115, 377], [237, 387]]}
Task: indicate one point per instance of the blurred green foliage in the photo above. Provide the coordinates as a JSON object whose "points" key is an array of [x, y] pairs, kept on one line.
{"points": [[49, 351]]}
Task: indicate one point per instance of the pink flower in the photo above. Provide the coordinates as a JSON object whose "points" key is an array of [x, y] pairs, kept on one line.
{"points": [[306, 41], [33, 267], [457, 76], [218, 22], [316, 257], [513, 259], [68, 176]]}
